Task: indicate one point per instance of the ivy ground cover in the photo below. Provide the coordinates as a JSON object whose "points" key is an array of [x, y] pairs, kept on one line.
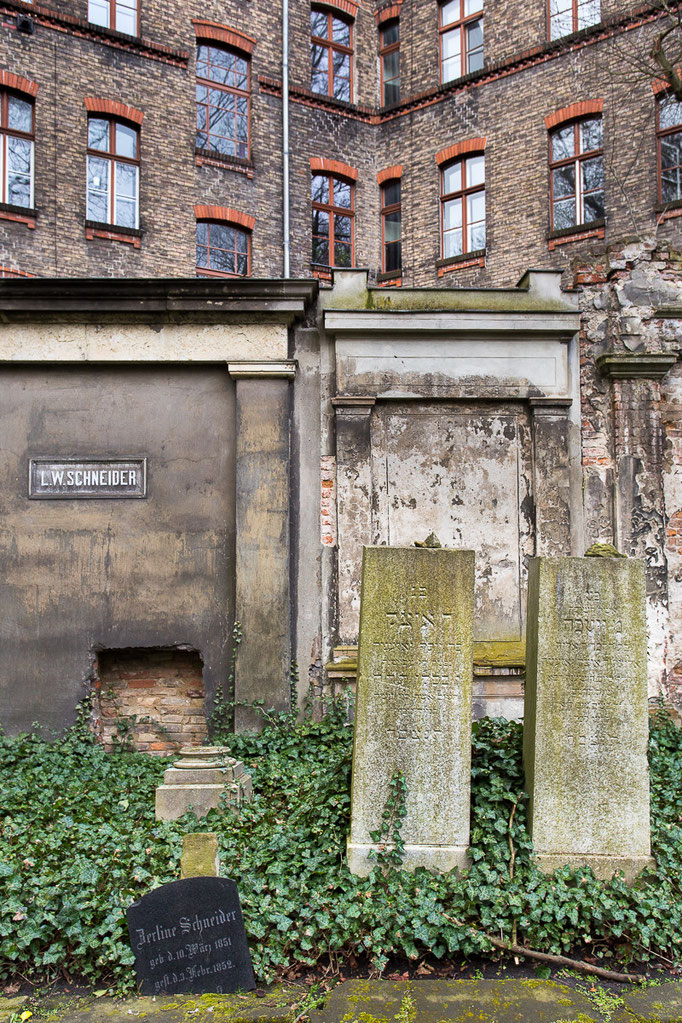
{"points": [[79, 842]]}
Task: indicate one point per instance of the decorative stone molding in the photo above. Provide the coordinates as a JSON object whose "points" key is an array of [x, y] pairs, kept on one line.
{"points": [[262, 369], [649, 365]]}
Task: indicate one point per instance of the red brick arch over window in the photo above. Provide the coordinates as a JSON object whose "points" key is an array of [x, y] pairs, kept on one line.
{"points": [[9, 80], [321, 165], [226, 214], [660, 85], [389, 13], [212, 31], [347, 6], [390, 174], [476, 145], [575, 110], [110, 108]]}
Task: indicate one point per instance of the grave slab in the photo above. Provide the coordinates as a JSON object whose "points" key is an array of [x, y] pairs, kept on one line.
{"points": [[586, 715], [413, 711]]}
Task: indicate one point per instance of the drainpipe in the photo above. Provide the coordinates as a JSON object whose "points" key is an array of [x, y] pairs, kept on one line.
{"points": [[285, 132]]}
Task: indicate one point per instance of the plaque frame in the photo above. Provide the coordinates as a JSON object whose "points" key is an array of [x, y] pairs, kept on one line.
{"points": [[37, 461]]}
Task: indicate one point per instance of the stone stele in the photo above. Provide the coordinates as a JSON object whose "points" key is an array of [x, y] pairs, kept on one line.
{"points": [[199, 779], [199, 855], [586, 715], [413, 710]]}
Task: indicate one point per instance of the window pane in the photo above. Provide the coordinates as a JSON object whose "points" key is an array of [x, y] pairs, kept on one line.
{"points": [[671, 185], [391, 64], [341, 228], [671, 150], [19, 114], [98, 134], [320, 188], [391, 193], [561, 25], [319, 23], [592, 174], [452, 243], [476, 237], [451, 44], [221, 236], [342, 76], [390, 34], [321, 223], [126, 18], [320, 64], [452, 214], [589, 13], [341, 31], [475, 171], [450, 12], [321, 251], [202, 61], [391, 92], [476, 208], [452, 178], [563, 143], [563, 181], [202, 233], [342, 194], [590, 134], [98, 12], [392, 227], [393, 257], [222, 260], [126, 213], [202, 255], [471, 6], [126, 141], [670, 112], [342, 254], [19, 153], [242, 264], [593, 207], [98, 189], [564, 214], [126, 180], [474, 46]]}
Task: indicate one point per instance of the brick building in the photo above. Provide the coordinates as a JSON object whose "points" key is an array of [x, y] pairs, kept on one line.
{"points": [[285, 423]]}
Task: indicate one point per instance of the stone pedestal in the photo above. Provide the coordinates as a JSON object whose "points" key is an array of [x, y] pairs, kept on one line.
{"points": [[413, 710], [586, 714], [199, 779], [200, 856]]}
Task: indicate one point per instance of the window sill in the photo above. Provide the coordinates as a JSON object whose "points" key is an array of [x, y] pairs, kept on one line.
{"points": [[667, 210], [215, 159], [110, 232], [205, 272], [462, 262], [595, 229], [19, 214], [386, 277]]}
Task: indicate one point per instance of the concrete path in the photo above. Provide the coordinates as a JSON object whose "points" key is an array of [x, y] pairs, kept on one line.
{"points": [[377, 1001]]}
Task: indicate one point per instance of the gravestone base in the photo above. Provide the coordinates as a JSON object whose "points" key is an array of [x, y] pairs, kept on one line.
{"points": [[603, 867], [439, 858], [199, 780]]}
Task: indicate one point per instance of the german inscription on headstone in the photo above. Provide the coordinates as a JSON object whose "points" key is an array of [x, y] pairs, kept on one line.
{"points": [[188, 936], [414, 703], [68, 478], [586, 714]]}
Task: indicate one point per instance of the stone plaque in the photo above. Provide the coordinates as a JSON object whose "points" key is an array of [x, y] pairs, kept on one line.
{"points": [[413, 709], [586, 714], [188, 937], [68, 478]]}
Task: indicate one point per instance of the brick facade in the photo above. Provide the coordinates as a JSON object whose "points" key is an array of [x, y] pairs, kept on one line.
{"points": [[526, 85]]}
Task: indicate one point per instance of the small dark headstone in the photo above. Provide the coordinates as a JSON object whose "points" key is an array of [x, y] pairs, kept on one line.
{"points": [[188, 937]]}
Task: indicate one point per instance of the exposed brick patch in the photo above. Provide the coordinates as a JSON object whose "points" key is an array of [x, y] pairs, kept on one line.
{"points": [[226, 213], [222, 34], [11, 81], [673, 533], [157, 696], [328, 501], [574, 110], [460, 148], [98, 105]]}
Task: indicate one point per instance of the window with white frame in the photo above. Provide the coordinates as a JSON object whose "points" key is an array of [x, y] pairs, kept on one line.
{"points": [[16, 150], [113, 172], [119, 14]]}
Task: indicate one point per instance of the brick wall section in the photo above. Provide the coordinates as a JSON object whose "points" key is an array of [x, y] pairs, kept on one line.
{"points": [[158, 694], [509, 109]]}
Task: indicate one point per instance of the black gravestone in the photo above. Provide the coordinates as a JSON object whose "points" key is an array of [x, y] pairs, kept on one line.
{"points": [[188, 937]]}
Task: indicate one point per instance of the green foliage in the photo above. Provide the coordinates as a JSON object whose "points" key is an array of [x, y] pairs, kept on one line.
{"points": [[391, 847], [79, 842]]}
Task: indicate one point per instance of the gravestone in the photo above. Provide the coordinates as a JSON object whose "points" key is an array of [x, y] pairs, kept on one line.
{"points": [[586, 715], [413, 710], [200, 779], [188, 937], [200, 857]]}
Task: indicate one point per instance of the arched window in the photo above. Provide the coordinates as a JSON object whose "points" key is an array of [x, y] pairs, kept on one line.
{"points": [[223, 247], [113, 172], [333, 220], [463, 205], [576, 168], [222, 92], [16, 149], [669, 134], [331, 53]]}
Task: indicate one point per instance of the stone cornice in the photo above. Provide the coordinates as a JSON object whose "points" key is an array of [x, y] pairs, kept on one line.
{"points": [[647, 365]]}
